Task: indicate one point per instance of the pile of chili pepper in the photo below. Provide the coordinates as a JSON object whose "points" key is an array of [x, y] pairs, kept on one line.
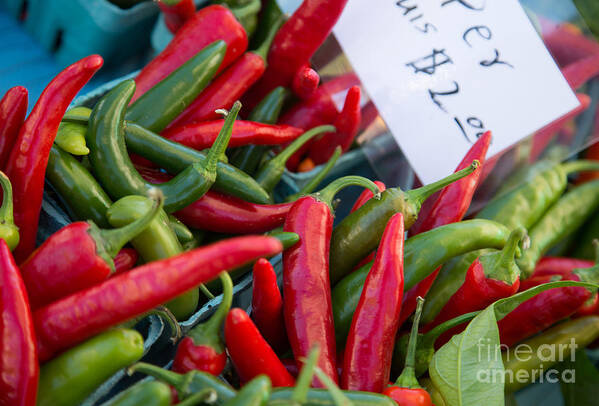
{"points": [[171, 180]]}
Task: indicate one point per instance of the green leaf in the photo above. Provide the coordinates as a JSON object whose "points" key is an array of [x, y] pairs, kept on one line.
{"points": [[585, 388], [468, 370]]}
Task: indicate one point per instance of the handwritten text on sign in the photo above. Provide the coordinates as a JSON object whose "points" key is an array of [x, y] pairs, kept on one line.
{"points": [[441, 72]]}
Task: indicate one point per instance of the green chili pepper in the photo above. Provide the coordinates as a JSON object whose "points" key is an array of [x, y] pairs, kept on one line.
{"points": [[270, 174], [71, 136], [267, 111], [175, 157], [157, 241], [183, 233], [423, 253], [147, 393], [115, 171], [70, 377], [77, 115], [254, 393], [521, 367], [189, 383], [542, 187], [161, 104], [584, 240], [78, 189], [248, 15], [561, 220], [360, 232], [269, 15], [322, 397], [436, 396], [9, 232]]}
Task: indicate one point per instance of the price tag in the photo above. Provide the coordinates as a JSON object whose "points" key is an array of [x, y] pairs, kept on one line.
{"points": [[442, 72]]}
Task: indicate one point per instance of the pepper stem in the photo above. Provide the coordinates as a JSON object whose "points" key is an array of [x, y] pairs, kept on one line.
{"points": [[222, 141], [338, 397], [503, 266], [169, 318], [580, 166], [304, 379], [211, 328], [423, 193], [318, 178], [407, 379], [262, 50], [327, 194], [205, 396], [6, 210], [172, 378], [253, 7], [429, 338], [112, 241]]}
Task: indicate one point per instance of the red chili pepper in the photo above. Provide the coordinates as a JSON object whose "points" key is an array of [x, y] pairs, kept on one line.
{"points": [[13, 109], [548, 307], [18, 355], [567, 46], [267, 305], [306, 287], [449, 207], [295, 43], [74, 318], [228, 87], [543, 137], [305, 81], [175, 15], [559, 266], [125, 260], [202, 135], [489, 278], [369, 348], [209, 24], [369, 114], [26, 167], [202, 349], [76, 257], [346, 123], [250, 353], [406, 391], [579, 72]]}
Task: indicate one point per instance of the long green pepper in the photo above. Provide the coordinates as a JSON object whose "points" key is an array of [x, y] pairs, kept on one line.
{"points": [[115, 171], [146, 393]]}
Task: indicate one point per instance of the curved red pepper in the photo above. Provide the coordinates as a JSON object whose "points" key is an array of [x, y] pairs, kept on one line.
{"points": [[346, 123], [18, 355], [209, 24], [306, 287], [202, 135], [13, 109], [449, 207], [267, 305], [250, 353], [369, 348], [203, 349], [559, 266], [26, 167], [125, 260], [74, 318], [567, 46], [305, 81], [579, 72], [76, 257], [176, 15], [295, 43]]}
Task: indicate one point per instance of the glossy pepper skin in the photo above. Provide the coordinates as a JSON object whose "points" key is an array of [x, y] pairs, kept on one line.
{"points": [[209, 24], [78, 189], [423, 253], [202, 135], [267, 305], [164, 101], [449, 207], [346, 123], [306, 290], [369, 346], [18, 355], [229, 86], [174, 158], [71, 136], [176, 13], [125, 260], [148, 393], [250, 353], [305, 82], [72, 376], [559, 266], [202, 348], [359, 233], [406, 390], [27, 162], [77, 257], [76, 317], [490, 277], [13, 109], [115, 171]]}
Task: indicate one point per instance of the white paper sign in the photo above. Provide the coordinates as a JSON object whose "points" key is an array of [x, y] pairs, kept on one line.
{"points": [[441, 72]]}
